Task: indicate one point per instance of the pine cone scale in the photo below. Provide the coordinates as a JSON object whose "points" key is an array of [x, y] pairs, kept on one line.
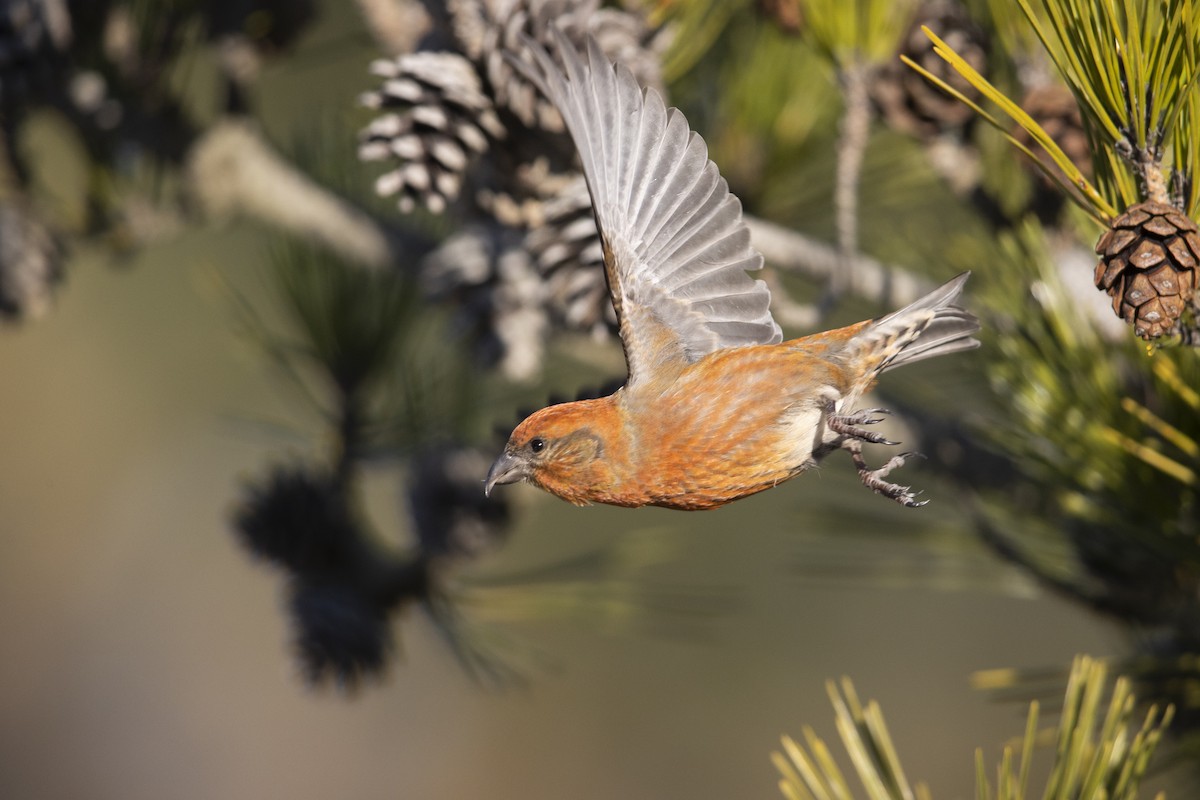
{"points": [[1107, 272], [1152, 312], [1138, 216], [1193, 241], [1161, 226], [1148, 254], [1139, 290], [1172, 306], [1163, 280], [1115, 241], [1180, 253]]}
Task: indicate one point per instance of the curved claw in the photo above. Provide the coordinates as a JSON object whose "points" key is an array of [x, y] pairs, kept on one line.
{"points": [[874, 479], [847, 425]]}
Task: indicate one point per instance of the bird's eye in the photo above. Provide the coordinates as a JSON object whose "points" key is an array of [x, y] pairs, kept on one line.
{"points": [[537, 445]]}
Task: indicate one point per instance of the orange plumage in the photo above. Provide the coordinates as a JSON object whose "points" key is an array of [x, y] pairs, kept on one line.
{"points": [[716, 407]]}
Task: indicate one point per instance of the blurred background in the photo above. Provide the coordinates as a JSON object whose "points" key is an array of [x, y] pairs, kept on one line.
{"points": [[253, 378]]}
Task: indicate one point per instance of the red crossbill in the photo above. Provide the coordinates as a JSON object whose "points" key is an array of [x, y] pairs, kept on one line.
{"points": [[716, 407]]}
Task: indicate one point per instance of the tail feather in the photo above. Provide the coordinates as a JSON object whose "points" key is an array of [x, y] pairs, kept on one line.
{"points": [[932, 326]]}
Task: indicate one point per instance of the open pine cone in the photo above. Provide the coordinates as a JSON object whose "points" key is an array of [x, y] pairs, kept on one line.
{"points": [[1148, 259], [906, 100], [567, 251], [437, 119], [487, 30], [443, 111], [1054, 108]]}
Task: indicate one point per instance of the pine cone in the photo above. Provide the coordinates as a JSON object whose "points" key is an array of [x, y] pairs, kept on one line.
{"points": [[444, 121], [1054, 108], [489, 29], [566, 249], [531, 18], [452, 107], [1148, 260], [469, 21], [910, 103], [502, 297], [506, 298]]}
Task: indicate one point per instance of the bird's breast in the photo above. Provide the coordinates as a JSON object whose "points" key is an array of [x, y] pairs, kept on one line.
{"points": [[729, 427]]}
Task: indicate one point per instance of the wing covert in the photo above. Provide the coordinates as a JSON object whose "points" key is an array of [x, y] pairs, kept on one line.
{"points": [[676, 249]]}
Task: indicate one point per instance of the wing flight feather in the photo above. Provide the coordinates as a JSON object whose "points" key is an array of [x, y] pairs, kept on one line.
{"points": [[676, 249]]}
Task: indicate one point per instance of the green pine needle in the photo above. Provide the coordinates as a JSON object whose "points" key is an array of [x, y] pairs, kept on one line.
{"points": [[854, 33], [697, 25], [1133, 68], [1076, 186], [1096, 755]]}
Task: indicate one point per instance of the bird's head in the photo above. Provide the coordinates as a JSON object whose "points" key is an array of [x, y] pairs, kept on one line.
{"points": [[556, 449]]}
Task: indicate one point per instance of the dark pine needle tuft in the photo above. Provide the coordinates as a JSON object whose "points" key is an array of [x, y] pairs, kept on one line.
{"points": [[297, 519], [340, 635]]}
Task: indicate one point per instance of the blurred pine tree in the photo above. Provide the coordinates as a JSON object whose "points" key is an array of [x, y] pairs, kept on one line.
{"points": [[1078, 451]]}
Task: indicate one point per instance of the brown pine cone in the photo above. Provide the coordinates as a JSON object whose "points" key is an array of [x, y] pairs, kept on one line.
{"points": [[910, 103], [1054, 108], [567, 252], [1148, 260], [501, 297]]}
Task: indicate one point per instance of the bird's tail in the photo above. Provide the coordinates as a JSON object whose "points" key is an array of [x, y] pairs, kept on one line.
{"points": [[931, 326]]}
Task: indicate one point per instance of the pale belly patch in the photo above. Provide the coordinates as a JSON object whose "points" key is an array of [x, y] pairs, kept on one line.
{"points": [[805, 428]]}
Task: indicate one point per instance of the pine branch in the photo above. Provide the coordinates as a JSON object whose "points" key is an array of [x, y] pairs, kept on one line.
{"points": [[1101, 754], [854, 132], [233, 170], [879, 283]]}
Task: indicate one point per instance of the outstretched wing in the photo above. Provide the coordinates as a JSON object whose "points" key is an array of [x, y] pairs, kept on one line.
{"points": [[676, 250]]}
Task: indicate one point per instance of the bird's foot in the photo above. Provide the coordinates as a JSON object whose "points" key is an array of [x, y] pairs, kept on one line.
{"points": [[873, 479], [847, 425]]}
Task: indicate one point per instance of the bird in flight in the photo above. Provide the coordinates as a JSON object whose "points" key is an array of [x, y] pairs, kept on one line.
{"points": [[716, 406]]}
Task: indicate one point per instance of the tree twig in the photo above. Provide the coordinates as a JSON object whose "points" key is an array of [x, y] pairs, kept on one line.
{"points": [[232, 170], [886, 285], [853, 134]]}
